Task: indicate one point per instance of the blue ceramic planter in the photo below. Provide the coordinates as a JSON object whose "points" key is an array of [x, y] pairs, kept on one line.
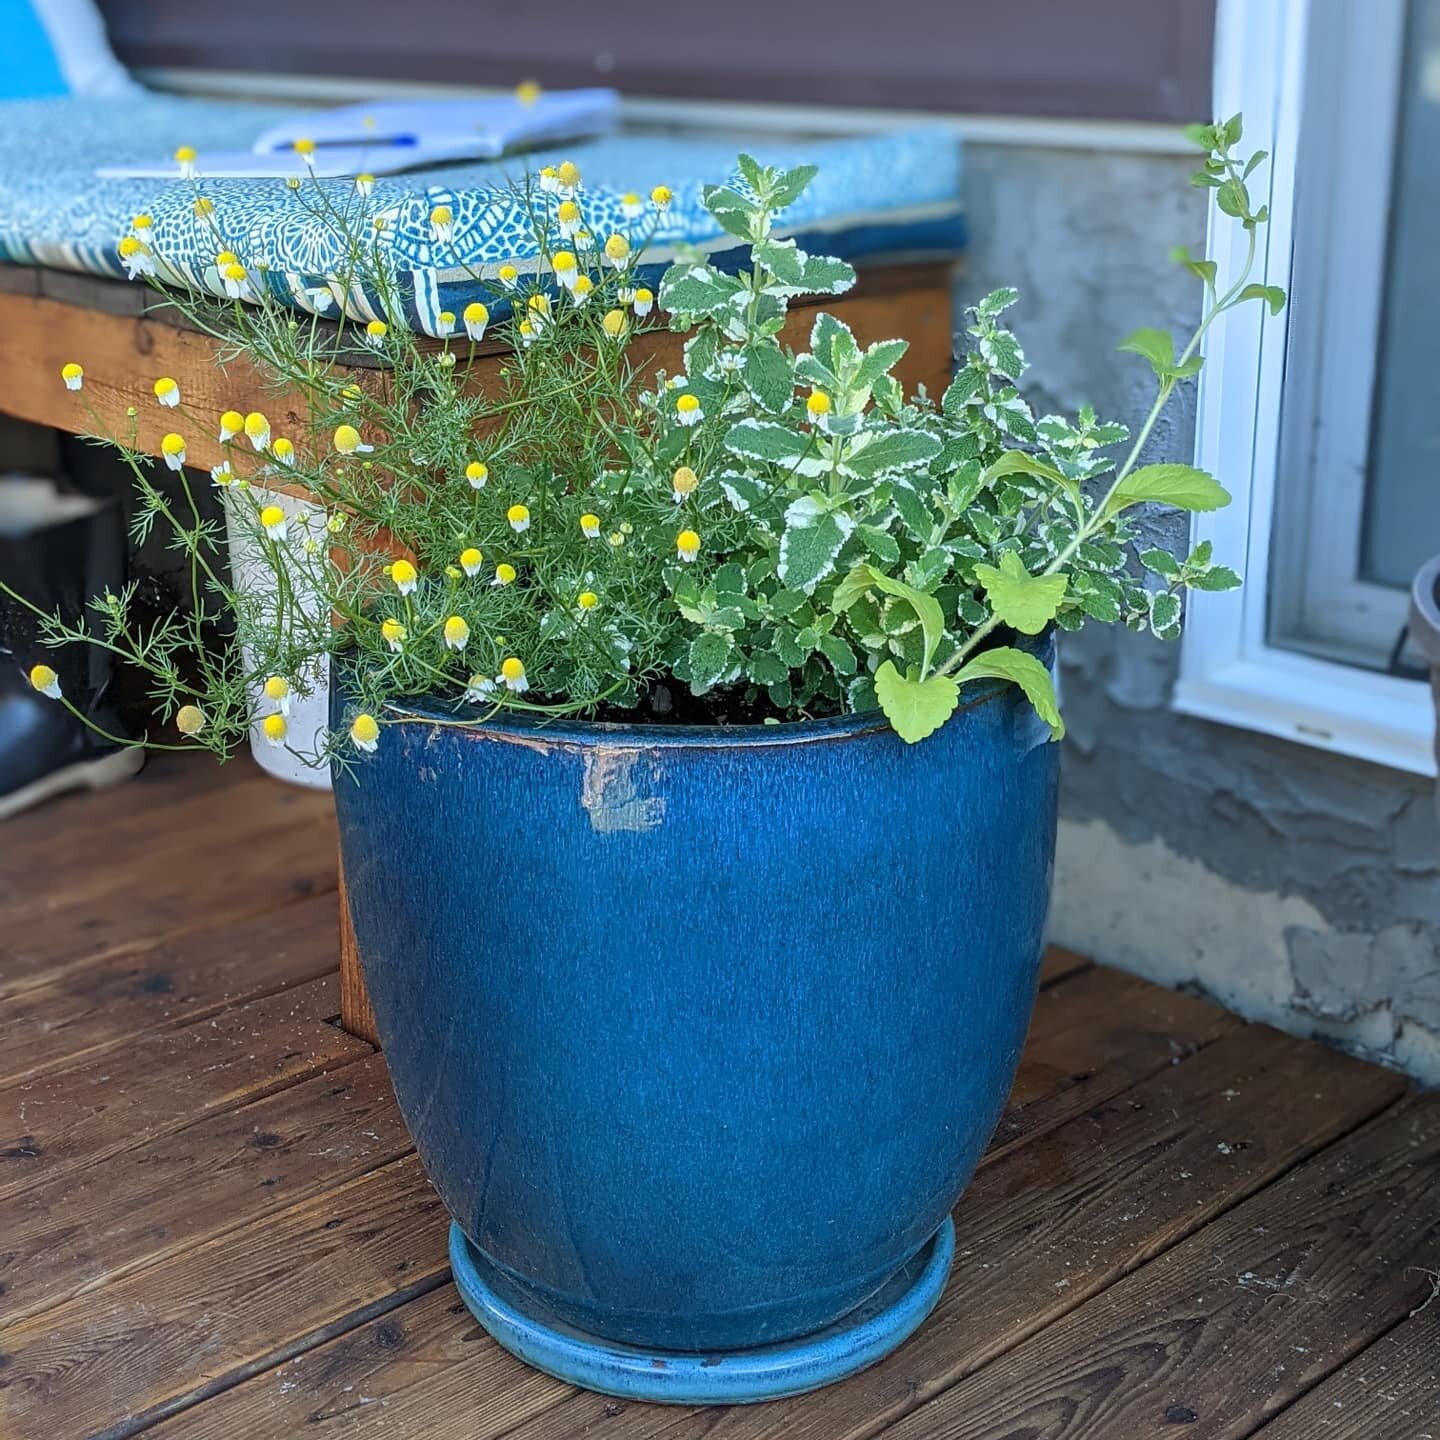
{"points": [[700, 1033]]}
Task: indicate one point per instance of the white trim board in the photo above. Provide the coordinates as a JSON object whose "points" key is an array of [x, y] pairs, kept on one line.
{"points": [[1228, 670], [1116, 135]]}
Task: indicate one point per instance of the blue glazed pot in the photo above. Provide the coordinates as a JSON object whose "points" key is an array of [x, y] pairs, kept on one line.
{"points": [[700, 1033]]}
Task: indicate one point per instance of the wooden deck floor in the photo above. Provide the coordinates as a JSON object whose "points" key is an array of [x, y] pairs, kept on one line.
{"points": [[212, 1226]]}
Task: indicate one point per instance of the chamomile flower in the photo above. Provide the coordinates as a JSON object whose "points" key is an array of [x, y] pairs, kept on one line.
{"points": [[527, 332], [590, 526], [568, 176], [321, 298], [222, 475], [445, 360], [549, 180], [404, 574], [528, 92], [687, 408], [567, 270], [283, 450], [204, 207], [257, 430], [275, 728], [142, 225], [364, 733], [614, 324], [348, 442], [137, 257], [392, 632], [519, 518], [442, 224], [232, 422], [504, 574], [185, 159], [351, 396], [587, 600], [471, 560], [364, 185], [661, 196], [567, 219], [683, 483], [445, 324], [73, 375], [457, 633], [167, 392], [632, 207], [687, 546], [512, 675], [580, 290], [272, 521], [643, 302], [539, 308], [305, 149], [616, 539], [278, 693], [172, 447], [617, 251], [817, 408], [236, 279], [507, 275], [375, 333], [478, 688], [45, 680], [477, 473], [189, 719], [584, 241], [476, 318]]}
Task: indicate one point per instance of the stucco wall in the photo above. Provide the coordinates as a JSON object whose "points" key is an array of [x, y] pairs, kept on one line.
{"points": [[1291, 885]]}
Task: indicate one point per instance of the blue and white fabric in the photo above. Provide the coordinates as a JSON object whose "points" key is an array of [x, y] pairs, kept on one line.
{"points": [[57, 47], [895, 195]]}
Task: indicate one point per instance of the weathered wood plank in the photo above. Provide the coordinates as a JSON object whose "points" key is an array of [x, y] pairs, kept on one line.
{"points": [[109, 1363], [1390, 1391], [1052, 1222], [1223, 1331], [357, 1015], [111, 1003], [1058, 963], [237, 861], [124, 354], [82, 1116], [1082, 1012], [423, 1371], [157, 1199]]}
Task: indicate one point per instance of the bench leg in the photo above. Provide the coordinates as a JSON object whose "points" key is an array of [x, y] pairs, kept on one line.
{"points": [[356, 1016]]}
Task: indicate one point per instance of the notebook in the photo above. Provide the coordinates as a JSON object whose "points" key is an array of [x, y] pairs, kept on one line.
{"points": [[396, 135]]}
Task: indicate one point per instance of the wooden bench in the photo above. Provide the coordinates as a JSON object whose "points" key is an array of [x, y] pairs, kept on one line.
{"points": [[126, 336]]}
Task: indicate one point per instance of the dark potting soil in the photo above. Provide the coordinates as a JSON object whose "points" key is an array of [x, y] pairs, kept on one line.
{"points": [[664, 703]]}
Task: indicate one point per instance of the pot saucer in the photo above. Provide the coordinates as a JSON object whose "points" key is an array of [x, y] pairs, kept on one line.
{"points": [[731, 1377]]}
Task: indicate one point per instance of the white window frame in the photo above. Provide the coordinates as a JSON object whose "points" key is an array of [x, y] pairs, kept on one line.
{"points": [[1230, 671]]}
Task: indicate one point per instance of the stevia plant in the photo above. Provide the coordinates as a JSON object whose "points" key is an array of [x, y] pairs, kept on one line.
{"points": [[785, 534]]}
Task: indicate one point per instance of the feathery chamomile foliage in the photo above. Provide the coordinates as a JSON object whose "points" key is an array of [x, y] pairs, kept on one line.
{"points": [[791, 527]]}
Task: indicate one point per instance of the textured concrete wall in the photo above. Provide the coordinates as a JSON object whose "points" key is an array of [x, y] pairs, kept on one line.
{"points": [[1291, 885]]}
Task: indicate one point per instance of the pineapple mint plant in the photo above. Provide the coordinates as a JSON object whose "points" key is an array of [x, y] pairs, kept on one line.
{"points": [[781, 535]]}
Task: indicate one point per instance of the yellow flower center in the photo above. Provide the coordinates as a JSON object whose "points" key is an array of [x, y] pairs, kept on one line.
{"points": [[365, 730], [442, 215], [568, 212], [476, 313], [508, 274], [517, 514], [256, 425], [274, 727], [189, 719], [614, 323], [277, 687], [684, 481], [185, 155], [617, 247], [470, 558], [512, 669], [662, 195], [477, 472], [304, 147], [687, 404], [173, 444], [377, 329], [402, 572], [818, 404], [563, 261], [347, 439], [688, 542], [71, 371], [233, 421], [587, 600], [271, 516], [568, 173], [505, 573], [392, 630], [590, 524], [42, 677]]}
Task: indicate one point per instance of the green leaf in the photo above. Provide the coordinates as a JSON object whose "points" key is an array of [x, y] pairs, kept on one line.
{"points": [[768, 377], [854, 587], [1021, 669], [709, 659], [790, 186], [732, 211], [1182, 486], [996, 302], [697, 290], [824, 275], [783, 258], [812, 539], [1023, 601], [880, 543], [914, 512], [766, 440], [729, 579], [1233, 199], [1160, 562], [968, 385], [892, 451], [839, 654], [926, 607], [1205, 270], [915, 708], [1272, 295], [743, 492], [1017, 462], [1002, 353], [1218, 577], [1233, 130], [764, 667], [1157, 346], [880, 359], [1164, 613], [834, 346]]}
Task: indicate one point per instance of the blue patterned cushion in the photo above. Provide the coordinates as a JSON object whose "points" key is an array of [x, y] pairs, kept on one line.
{"points": [[893, 195]]}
